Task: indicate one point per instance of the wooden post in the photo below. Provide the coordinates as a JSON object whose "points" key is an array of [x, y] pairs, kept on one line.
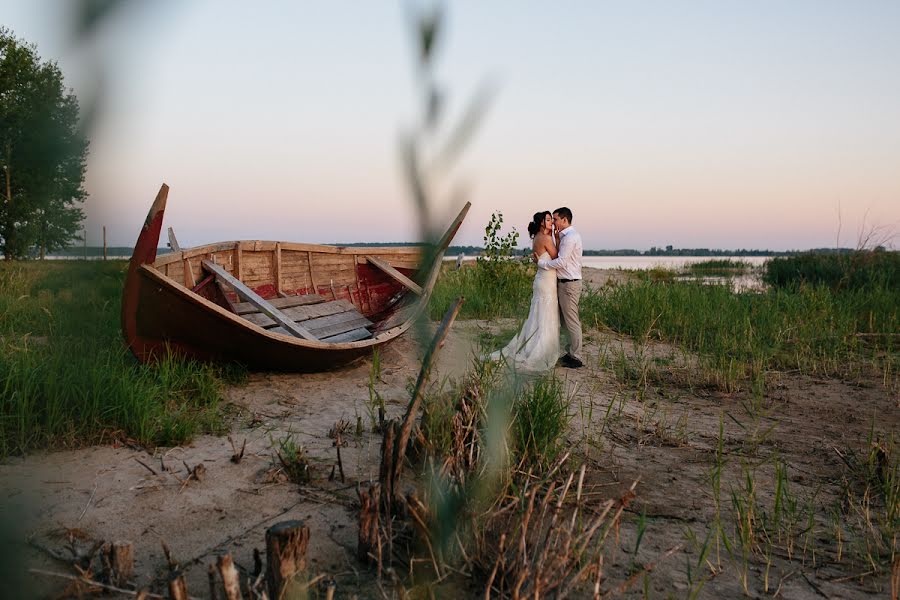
{"points": [[84, 239], [104, 242], [286, 545], [120, 560], [230, 579]]}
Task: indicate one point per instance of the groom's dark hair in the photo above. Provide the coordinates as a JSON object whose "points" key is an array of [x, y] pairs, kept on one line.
{"points": [[565, 213]]}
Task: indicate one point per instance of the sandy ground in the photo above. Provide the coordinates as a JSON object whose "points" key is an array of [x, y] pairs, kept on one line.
{"points": [[663, 433]]}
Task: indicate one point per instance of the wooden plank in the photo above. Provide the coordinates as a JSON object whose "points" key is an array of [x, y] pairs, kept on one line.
{"points": [[189, 281], [397, 275], [342, 327], [343, 317], [260, 320], [276, 258], [287, 302], [249, 295], [173, 243], [349, 336], [302, 313]]}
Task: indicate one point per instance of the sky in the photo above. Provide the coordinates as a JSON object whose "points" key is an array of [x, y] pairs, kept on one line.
{"points": [[719, 124]]}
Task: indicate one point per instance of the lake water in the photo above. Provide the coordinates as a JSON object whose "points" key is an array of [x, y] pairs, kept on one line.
{"points": [[743, 282], [650, 262]]}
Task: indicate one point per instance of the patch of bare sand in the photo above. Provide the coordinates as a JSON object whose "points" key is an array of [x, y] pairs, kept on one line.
{"points": [[662, 433]]}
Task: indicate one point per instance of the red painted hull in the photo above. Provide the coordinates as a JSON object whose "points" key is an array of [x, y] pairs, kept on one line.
{"points": [[164, 311]]}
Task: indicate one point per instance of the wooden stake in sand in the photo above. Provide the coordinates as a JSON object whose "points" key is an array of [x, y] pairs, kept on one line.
{"points": [[286, 545], [119, 557]]}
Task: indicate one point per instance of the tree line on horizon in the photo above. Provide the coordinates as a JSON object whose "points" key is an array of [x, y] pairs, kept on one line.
{"points": [[43, 154], [452, 251]]}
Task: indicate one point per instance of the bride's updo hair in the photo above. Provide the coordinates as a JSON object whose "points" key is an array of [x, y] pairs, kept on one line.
{"points": [[536, 223]]}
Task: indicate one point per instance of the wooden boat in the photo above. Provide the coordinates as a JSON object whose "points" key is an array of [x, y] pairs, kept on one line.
{"points": [[272, 305]]}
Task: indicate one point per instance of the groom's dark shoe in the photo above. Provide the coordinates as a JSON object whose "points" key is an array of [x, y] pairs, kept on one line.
{"points": [[570, 362]]}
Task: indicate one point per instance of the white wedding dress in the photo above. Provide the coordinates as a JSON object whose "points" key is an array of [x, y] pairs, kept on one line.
{"points": [[536, 347]]}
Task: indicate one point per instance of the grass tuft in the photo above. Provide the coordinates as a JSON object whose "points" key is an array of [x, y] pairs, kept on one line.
{"points": [[66, 377]]}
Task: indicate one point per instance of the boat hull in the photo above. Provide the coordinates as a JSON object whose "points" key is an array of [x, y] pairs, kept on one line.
{"points": [[172, 320], [174, 305]]}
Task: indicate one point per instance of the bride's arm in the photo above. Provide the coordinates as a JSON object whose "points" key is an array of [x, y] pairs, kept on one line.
{"points": [[550, 247], [543, 243]]}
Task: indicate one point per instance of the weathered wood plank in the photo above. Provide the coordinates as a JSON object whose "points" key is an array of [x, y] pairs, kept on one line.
{"points": [[288, 302], [342, 317], [350, 336], [302, 313], [249, 295], [397, 275], [312, 311], [337, 328], [189, 281]]}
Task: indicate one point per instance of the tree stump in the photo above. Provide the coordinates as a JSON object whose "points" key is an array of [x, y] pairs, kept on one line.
{"points": [[286, 545], [367, 540], [120, 559]]}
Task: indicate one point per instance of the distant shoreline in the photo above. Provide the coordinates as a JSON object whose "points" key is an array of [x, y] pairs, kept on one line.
{"points": [[120, 252]]}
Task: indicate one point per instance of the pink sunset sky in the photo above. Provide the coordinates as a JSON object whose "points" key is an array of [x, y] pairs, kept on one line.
{"points": [[701, 124]]}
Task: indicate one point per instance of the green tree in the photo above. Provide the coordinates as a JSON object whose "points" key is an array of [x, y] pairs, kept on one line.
{"points": [[42, 153]]}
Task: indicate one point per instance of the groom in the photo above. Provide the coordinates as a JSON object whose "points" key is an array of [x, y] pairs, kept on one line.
{"points": [[568, 278]]}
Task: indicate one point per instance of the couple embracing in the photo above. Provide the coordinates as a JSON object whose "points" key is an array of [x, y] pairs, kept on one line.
{"points": [[557, 249]]}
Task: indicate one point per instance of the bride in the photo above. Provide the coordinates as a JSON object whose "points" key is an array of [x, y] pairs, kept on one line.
{"points": [[536, 347]]}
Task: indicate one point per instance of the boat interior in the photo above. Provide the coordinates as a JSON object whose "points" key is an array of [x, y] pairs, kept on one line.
{"points": [[321, 293]]}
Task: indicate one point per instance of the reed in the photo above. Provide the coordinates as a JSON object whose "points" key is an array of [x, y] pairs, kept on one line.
{"points": [[739, 336], [854, 270], [66, 378], [719, 267]]}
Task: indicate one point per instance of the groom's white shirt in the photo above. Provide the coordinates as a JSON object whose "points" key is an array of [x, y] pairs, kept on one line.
{"points": [[568, 263]]}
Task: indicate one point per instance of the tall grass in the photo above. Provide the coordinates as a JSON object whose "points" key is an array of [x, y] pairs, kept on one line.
{"points": [[66, 377], [721, 266], [739, 335], [855, 270]]}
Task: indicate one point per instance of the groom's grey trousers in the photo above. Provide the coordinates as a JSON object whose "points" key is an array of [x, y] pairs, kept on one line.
{"points": [[568, 293]]}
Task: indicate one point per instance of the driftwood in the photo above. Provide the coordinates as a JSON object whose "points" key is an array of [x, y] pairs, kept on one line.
{"points": [[286, 545]]}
